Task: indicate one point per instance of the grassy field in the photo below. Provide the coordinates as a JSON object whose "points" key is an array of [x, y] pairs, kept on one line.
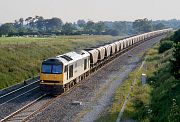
{"points": [[20, 57], [158, 100]]}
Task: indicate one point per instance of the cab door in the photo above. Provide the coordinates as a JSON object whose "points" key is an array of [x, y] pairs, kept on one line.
{"points": [[66, 73], [71, 71]]}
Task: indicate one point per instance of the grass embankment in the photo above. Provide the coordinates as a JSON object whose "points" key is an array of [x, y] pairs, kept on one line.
{"points": [[20, 58], [158, 100]]}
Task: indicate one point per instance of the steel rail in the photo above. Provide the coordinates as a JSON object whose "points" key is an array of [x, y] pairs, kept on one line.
{"points": [[19, 89], [21, 109], [19, 95]]}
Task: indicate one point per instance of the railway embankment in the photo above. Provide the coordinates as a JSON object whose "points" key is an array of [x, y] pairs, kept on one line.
{"points": [[158, 99], [96, 92]]}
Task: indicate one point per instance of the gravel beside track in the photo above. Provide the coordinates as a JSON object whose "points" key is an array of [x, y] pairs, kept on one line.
{"points": [[96, 91], [29, 110]]}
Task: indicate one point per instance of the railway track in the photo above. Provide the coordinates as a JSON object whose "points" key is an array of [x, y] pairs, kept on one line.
{"points": [[39, 104], [15, 94], [28, 110], [33, 108]]}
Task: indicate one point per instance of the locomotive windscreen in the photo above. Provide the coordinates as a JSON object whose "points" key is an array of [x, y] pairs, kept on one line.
{"points": [[51, 69]]}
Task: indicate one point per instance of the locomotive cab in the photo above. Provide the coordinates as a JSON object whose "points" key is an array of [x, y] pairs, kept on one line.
{"points": [[60, 73], [51, 76]]}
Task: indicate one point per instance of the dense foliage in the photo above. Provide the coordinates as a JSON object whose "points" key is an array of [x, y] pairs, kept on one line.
{"points": [[173, 23], [40, 26], [176, 36], [175, 62], [165, 45], [168, 43]]}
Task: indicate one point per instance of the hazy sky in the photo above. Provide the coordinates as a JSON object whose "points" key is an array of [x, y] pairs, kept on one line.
{"points": [[96, 10]]}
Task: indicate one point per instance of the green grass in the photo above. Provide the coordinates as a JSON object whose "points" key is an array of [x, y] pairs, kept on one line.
{"points": [[158, 100], [20, 58], [29, 40]]}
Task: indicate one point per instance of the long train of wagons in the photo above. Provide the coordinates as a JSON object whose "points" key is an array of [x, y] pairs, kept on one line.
{"points": [[60, 73]]}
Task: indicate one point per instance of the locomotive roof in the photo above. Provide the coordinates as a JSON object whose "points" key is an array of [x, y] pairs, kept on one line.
{"points": [[72, 57], [66, 58]]}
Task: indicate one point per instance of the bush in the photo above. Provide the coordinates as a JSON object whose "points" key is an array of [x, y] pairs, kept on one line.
{"points": [[165, 45], [176, 36], [175, 62]]}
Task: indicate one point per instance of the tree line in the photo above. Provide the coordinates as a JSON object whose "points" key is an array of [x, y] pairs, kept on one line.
{"points": [[38, 25]]}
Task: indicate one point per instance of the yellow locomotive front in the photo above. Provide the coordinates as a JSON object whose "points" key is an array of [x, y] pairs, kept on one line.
{"points": [[51, 76]]}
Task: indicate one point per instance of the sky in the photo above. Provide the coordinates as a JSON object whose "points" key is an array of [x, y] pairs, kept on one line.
{"points": [[96, 10]]}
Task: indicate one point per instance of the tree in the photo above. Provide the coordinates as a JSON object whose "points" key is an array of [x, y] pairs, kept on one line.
{"points": [[7, 28], [68, 28], [21, 22], [90, 27], [16, 24], [142, 26], [99, 27], [40, 23], [159, 26], [176, 36], [81, 23], [54, 24], [28, 20], [32, 23], [121, 27]]}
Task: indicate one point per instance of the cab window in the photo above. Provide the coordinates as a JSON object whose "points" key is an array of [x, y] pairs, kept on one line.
{"points": [[57, 69], [46, 68]]}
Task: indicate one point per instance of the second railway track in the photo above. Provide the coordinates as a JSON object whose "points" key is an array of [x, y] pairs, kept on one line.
{"points": [[37, 105], [28, 110], [17, 98], [18, 92]]}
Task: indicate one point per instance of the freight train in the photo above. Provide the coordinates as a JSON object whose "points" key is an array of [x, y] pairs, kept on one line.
{"points": [[58, 74]]}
